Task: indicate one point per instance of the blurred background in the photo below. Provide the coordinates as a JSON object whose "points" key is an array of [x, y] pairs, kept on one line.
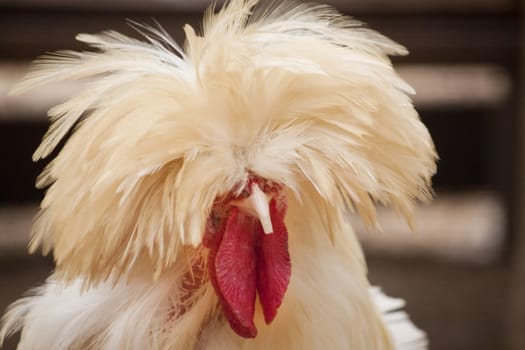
{"points": [[463, 270]]}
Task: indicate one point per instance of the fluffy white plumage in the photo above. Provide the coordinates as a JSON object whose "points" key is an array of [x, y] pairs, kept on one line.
{"points": [[294, 93]]}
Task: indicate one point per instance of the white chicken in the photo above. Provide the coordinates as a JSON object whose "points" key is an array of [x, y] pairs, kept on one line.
{"points": [[201, 201]]}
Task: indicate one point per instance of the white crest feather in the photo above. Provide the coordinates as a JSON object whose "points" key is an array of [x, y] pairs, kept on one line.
{"points": [[293, 91]]}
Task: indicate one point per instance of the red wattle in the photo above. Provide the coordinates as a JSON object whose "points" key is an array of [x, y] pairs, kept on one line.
{"points": [[273, 263], [243, 259], [235, 271]]}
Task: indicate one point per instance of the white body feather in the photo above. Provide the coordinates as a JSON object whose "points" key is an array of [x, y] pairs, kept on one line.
{"points": [[296, 94]]}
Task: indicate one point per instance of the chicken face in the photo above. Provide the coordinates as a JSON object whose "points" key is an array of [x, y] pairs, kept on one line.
{"points": [[248, 252]]}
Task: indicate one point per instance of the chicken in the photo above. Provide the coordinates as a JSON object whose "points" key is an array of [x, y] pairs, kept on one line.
{"points": [[202, 199]]}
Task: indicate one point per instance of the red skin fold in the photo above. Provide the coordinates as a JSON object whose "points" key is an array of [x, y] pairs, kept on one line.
{"points": [[274, 267], [244, 260], [235, 272]]}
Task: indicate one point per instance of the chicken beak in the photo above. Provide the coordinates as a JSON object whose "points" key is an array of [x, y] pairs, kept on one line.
{"points": [[257, 204]]}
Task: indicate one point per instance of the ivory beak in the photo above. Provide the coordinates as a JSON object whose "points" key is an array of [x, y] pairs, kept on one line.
{"points": [[257, 205]]}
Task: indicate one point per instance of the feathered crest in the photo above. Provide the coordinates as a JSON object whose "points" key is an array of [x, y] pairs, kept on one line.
{"points": [[295, 93]]}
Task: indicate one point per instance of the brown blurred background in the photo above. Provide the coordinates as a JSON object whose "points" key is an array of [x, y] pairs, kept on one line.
{"points": [[463, 271]]}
